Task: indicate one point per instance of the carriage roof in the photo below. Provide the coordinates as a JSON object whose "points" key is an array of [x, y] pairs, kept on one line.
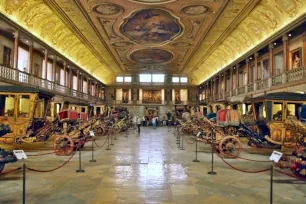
{"points": [[20, 89], [284, 96]]}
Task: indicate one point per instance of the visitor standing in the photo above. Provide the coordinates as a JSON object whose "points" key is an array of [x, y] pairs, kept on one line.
{"points": [[154, 122], [138, 124]]}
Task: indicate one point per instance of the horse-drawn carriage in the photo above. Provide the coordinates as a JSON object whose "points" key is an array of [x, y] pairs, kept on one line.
{"points": [[264, 119], [220, 131], [23, 110]]}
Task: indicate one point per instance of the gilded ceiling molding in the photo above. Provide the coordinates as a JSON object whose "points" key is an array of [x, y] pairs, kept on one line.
{"points": [[268, 17], [36, 16]]}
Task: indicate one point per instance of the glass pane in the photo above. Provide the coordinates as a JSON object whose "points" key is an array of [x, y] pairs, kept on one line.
{"points": [[24, 106], [293, 109], [145, 77], [39, 112], [260, 111], [119, 79], [127, 79], [184, 79], [277, 111], [278, 63], [7, 105], [266, 68], [158, 77], [175, 79]]}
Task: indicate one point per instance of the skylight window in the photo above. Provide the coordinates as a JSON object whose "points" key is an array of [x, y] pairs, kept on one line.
{"points": [[158, 78], [145, 78]]}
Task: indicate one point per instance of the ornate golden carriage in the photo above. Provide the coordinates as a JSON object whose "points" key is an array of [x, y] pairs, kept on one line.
{"points": [[269, 115], [24, 110]]}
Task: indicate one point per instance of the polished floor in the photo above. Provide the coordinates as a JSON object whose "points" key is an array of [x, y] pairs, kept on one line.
{"points": [[147, 168]]}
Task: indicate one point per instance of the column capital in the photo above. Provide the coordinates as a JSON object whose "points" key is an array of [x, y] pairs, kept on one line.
{"points": [[16, 34], [271, 46], [256, 54], [285, 37]]}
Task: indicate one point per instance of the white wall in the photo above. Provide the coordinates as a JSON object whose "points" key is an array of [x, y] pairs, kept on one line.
{"points": [[118, 94]]}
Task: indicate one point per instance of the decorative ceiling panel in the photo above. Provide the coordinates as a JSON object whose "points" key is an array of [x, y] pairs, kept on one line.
{"points": [[160, 34]]}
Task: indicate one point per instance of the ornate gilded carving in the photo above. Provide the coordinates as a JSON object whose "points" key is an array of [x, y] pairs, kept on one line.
{"points": [[108, 9], [194, 10], [108, 28]]}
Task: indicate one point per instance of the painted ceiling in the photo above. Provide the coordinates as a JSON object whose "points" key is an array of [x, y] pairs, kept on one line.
{"points": [[110, 37]]}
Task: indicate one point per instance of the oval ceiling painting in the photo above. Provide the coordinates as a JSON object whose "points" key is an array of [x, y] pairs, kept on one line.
{"points": [[151, 27], [108, 9], [153, 1], [195, 10], [151, 56]]}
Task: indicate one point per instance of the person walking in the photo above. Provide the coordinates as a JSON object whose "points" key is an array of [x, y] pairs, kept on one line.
{"points": [[154, 122], [138, 124]]}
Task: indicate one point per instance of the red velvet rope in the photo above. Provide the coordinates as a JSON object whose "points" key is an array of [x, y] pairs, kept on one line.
{"points": [[241, 170], [290, 175], [34, 155], [10, 171], [251, 159], [189, 141], [103, 143], [43, 171]]}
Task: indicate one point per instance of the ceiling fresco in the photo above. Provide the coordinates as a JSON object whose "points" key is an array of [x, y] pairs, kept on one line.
{"points": [[151, 27], [151, 56], [109, 37]]}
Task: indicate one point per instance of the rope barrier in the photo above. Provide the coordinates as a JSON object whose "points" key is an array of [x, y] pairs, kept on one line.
{"points": [[251, 159], [44, 171], [189, 141], [34, 155], [290, 175], [103, 143], [241, 170], [11, 171]]}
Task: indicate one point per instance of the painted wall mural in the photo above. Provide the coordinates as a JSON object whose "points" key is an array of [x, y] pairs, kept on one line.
{"points": [[151, 56], [151, 96], [151, 27]]}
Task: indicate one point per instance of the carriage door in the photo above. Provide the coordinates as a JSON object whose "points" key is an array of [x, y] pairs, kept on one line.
{"points": [[291, 110], [277, 127]]}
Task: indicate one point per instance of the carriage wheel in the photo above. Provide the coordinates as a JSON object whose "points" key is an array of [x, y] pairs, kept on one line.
{"points": [[63, 145], [230, 147], [299, 171], [2, 164]]}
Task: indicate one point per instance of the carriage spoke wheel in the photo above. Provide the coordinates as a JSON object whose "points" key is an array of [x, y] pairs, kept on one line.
{"points": [[230, 147], [299, 171], [63, 145]]}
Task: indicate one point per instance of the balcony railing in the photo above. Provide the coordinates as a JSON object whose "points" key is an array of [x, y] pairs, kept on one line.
{"points": [[296, 74], [262, 84], [277, 79], [17, 76], [241, 90]]}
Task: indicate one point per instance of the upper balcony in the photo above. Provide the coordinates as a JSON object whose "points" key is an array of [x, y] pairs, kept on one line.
{"points": [[287, 80], [17, 77]]}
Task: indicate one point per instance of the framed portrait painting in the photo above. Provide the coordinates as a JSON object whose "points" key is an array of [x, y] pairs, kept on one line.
{"points": [[296, 58], [7, 56]]}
